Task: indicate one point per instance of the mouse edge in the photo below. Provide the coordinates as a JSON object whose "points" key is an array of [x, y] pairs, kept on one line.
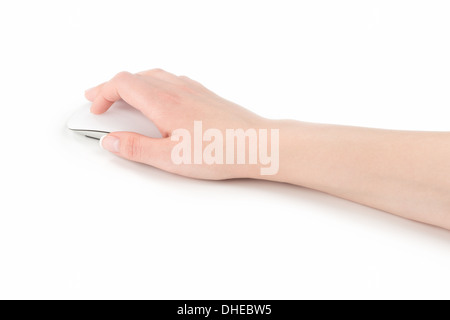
{"points": [[93, 134]]}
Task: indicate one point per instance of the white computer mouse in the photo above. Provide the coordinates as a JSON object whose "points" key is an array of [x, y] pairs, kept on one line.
{"points": [[120, 117]]}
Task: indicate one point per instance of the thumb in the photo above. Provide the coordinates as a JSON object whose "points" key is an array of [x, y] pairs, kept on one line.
{"points": [[135, 147]]}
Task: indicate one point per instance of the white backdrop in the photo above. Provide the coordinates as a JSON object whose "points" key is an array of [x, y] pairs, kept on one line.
{"points": [[78, 222]]}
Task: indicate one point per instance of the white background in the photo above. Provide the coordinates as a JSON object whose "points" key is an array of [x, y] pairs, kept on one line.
{"points": [[78, 222]]}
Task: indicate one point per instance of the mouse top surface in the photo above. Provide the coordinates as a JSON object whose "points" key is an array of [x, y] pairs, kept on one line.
{"points": [[120, 117]]}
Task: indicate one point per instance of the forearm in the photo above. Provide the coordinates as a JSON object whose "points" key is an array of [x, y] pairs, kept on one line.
{"points": [[401, 172]]}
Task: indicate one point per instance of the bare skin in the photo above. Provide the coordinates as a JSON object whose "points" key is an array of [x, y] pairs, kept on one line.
{"points": [[406, 173]]}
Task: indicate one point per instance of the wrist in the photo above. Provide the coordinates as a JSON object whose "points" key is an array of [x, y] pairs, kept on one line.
{"points": [[293, 146], [275, 141]]}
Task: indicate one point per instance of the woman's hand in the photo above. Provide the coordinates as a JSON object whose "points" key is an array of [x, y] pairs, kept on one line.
{"points": [[171, 102]]}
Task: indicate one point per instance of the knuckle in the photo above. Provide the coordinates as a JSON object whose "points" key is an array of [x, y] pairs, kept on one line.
{"points": [[133, 148], [188, 82], [185, 78], [122, 75], [157, 71]]}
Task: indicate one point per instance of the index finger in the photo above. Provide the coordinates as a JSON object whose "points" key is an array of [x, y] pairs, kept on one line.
{"points": [[91, 93], [128, 87]]}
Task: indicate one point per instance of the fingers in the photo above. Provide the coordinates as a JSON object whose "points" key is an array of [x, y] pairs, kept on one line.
{"points": [[135, 147], [92, 93], [144, 91], [129, 87]]}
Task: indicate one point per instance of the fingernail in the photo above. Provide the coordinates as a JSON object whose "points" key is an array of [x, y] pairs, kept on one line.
{"points": [[110, 143]]}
